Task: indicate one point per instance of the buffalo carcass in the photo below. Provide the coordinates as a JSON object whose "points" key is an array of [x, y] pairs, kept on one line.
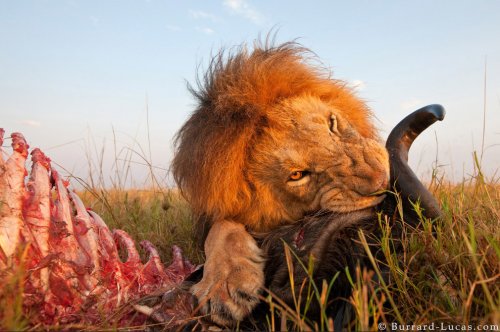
{"points": [[73, 272]]}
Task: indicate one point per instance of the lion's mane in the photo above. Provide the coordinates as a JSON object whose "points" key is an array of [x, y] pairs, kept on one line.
{"points": [[236, 98]]}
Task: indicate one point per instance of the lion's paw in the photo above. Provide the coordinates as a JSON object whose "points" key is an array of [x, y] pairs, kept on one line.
{"points": [[233, 276]]}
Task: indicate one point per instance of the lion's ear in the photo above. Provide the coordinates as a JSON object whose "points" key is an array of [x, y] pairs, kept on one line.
{"points": [[353, 108]]}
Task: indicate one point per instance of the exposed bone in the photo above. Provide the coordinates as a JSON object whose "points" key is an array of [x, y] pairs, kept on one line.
{"points": [[144, 309], [62, 225], [36, 208], [87, 238], [75, 273], [12, 192]]}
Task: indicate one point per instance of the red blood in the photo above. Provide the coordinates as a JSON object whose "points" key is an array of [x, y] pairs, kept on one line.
{"points": [[74, 270]]}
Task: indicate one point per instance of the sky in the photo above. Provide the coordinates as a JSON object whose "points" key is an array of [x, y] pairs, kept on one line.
{"points": [[101, 85]]}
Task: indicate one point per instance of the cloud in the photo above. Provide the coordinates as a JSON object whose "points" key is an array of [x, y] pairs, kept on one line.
{"points": [[30, 123], [410, 104], [201, 15], [242, 8], [358, 85], [205, 30]]}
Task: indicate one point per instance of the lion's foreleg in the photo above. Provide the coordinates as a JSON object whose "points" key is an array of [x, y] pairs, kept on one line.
{"points": [[233, 273]]}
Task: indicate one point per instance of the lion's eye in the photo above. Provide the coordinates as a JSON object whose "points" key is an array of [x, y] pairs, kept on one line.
{"points": [[297, 175], [298, 178], [333, 124]]}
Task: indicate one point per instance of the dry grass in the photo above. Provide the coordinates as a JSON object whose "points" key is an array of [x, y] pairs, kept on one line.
{"points": [[160, 216], [449, 270], [449, 275]]}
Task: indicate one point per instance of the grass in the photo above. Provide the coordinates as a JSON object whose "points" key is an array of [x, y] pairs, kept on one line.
{"points": [[160, 216], [448, 272]]}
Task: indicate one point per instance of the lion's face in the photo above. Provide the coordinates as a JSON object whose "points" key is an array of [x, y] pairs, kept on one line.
{"points": [[273, 138], [313, 159]]}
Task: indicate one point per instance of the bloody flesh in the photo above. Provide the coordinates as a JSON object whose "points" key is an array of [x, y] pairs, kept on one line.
{"points": [[74, 273]]}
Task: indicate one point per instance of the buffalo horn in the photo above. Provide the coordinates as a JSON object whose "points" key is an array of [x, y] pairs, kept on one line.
{"points": [[398, 144]]}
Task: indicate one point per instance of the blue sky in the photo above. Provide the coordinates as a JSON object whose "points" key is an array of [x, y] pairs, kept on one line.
{"points": [[77, 75]]}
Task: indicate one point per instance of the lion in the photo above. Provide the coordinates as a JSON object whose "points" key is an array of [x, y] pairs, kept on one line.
{"points": [[273, 138]]}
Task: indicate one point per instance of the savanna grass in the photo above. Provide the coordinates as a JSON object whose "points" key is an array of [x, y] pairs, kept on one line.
{"points": [[448, 271], [162, 217]]}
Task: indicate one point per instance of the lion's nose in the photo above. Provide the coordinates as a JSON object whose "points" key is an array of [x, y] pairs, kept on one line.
{"points": [[384, 183], [372, 184]]}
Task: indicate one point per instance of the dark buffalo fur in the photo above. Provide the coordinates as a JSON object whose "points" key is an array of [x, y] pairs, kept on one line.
{"points": [[332, 241]]}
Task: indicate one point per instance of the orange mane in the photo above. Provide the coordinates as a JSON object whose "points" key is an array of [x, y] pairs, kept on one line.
{"points": [[236, 99]]}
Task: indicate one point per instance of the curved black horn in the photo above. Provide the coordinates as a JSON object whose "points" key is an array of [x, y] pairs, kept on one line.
{"points": [[398, 144]]}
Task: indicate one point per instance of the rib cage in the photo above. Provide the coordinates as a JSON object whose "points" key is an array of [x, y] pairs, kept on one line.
{"points": [[73, 270]]}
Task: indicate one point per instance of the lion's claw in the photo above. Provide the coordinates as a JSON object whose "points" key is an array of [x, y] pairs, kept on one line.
{"points": [[233, 274], [232, 298]]}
